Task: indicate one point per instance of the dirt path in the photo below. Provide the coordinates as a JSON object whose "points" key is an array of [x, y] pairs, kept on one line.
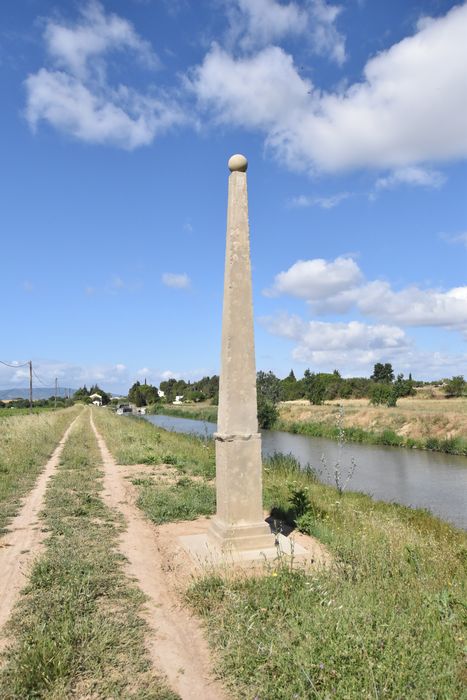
{"points": [[177, 646], [22, 543]]}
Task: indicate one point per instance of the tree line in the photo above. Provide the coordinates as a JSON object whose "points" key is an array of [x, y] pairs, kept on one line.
{"points": [[383, 387]]}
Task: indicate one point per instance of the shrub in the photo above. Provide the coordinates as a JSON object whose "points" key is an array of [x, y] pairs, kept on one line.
{"points": [[267, 413], [455, 387], [380, 394]]}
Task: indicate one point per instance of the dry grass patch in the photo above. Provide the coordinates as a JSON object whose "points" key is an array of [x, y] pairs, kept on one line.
{"points": [[26, 443]]}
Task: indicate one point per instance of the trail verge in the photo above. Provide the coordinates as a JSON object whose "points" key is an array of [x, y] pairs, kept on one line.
{"points": [[23, 541], [177, 646]]}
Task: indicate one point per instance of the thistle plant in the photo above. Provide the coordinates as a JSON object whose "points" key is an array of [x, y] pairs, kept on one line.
{"points": [[341, 475]]}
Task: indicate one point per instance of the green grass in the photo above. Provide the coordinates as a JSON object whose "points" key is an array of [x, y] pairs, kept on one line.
{"points": [[205, 413], [388, 620], [456, 446], [77, 630], [12, 412], [136, 441], [26, 443], [185, 500]]}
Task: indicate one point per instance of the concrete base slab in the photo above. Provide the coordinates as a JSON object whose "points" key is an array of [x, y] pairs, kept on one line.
{"points": [[202, 550]]}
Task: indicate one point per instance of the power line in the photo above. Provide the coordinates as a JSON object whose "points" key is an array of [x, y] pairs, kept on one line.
{"points": [[39, 379], [7, 364]]}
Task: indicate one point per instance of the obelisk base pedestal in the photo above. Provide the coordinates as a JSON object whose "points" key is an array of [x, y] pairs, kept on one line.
{"points": [[240, 538], [252, 548]]}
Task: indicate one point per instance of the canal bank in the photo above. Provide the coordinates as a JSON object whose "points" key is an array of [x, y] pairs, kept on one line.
{"points": [[437, 431], [416, 478]]}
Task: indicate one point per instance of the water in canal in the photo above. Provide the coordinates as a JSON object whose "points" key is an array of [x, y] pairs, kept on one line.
{"points": [[415, 478]]}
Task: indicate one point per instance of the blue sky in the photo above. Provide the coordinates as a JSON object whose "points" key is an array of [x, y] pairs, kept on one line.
{"points": [[117, 121]]}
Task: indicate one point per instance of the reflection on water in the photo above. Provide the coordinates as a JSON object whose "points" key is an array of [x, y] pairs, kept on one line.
{"points": [[413, 477]]}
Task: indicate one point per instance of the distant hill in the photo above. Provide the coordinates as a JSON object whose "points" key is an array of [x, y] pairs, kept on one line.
{"points": [[42, 392]]}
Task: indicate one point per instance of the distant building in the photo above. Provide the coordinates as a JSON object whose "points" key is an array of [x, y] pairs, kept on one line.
{"points": [[96, 399], [161, 394], [178, 400]]}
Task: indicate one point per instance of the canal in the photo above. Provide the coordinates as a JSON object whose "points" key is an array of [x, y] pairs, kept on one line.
{"points": [[416, 478]]}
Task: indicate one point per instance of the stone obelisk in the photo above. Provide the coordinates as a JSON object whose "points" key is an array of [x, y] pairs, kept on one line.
{"points": [[239, 522]]}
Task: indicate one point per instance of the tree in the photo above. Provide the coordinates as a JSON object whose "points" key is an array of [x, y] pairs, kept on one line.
{"points": [[290, 388], [81, 394], [268, 386], [267, 413], [315, 387], [382, 394], [404, 387], [383, 373], [455, 387], [143, 394]]}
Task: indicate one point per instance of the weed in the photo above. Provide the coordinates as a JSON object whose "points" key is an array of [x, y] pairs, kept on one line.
{"points": [[341, 478]]}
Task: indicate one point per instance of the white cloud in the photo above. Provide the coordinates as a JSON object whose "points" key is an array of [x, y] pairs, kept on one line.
{"points": [[114, 286], [413, 306], [338, 286], [68, 375], [75, 96], [317, 279], [455, 238], [176, 280], [420, 177], [258, 23], [73, 45], [335, 344], [323, 202], [408, 109], [168, 374], [354, 348]]}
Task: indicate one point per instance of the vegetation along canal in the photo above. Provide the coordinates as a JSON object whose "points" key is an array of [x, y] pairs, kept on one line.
{"points": [[416, 478]]}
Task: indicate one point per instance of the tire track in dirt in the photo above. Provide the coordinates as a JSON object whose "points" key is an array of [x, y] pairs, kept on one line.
{"points": [[177, 646], [22, 543]]}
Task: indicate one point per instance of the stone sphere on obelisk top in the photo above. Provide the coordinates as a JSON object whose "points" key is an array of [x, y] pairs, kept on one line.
{"points": [[238, 163]]}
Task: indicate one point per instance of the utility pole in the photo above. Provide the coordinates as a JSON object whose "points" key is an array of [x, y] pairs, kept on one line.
{"points": [[55, 394], [30, 386]]}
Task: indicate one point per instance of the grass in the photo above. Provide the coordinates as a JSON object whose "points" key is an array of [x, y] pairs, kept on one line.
{"points": [[26, 443], [187, 499], [204, 412], [432, 424], [136, 441], [453, 445], [11, 412], [388, 620], [77, 630]]}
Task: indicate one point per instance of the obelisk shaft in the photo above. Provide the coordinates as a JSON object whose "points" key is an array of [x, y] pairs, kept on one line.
{"points": [[237, 388], [239, 522]]}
